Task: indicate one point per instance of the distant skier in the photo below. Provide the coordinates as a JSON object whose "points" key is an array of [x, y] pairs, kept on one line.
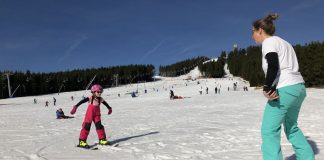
{"points": [[133, 95], [207, 90], [171, 94], [35, 101], [215, 90], [60, 114], [46, 103], [72, 98], [234, 86], [93, 114], [54, 101]]}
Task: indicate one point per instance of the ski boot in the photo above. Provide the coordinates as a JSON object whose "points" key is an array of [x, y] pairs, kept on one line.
{"points": [[103, 142], [83, 144]]}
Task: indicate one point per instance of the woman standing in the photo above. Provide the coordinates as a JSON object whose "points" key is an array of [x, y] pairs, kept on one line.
{"points": [[284, 88]]}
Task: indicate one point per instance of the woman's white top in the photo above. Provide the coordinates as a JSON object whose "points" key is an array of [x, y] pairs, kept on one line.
{"points": [[288, 64]]}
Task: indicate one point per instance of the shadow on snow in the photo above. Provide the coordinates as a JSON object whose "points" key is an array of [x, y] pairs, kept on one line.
{"points": [[313, 145]]}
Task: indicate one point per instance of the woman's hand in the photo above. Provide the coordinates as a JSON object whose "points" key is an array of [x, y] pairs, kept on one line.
{"points": [[271, 95]]}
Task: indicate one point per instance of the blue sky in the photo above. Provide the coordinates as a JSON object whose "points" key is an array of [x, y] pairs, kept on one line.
{"points": [[59, 35]]}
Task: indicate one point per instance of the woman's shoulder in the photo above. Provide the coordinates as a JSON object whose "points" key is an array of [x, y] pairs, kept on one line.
{"points": [[275, 39], [273, 42], [272, 39]]}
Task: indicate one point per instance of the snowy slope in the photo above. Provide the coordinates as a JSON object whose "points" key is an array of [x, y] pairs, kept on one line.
{"points": [[223, 126], [211, 60], [193, 74], [227, 72]]}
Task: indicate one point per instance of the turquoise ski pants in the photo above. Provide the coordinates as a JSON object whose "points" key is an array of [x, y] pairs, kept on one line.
{"points": [[284, 111]]}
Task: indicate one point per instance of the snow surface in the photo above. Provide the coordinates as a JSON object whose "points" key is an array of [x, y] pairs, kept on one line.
{"points": [[223, 126], [193, 74]]}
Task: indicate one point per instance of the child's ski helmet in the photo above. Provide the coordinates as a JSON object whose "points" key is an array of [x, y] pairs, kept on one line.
{"points": [[96, 88]]}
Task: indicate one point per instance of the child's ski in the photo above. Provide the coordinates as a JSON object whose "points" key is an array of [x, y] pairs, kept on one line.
{"points": [[95, 146], [92, 147], [111, 147]]}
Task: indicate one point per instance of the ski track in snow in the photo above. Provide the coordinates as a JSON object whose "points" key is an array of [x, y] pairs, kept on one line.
{"points": [[223, 126]]}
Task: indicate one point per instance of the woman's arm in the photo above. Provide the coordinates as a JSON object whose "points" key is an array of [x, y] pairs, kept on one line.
{"points": [[272, 72]]}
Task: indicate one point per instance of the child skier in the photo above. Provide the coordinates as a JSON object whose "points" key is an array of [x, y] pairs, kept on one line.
{"points": [[93, 114]]}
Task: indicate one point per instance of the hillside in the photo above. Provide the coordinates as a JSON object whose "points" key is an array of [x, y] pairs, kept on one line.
{"points": [[211, 126]]}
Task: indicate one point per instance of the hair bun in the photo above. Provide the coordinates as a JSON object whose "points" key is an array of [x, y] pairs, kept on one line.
{"points": [[272, 17]]}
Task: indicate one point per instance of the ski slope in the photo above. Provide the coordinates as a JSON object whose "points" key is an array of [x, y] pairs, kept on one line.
{"points": [[223, 126]]}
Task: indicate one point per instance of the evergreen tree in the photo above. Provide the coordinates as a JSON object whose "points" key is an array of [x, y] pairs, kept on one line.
{"points": [[45, 83], [182, 67]]}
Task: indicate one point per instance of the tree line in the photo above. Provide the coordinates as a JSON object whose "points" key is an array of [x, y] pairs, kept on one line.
{"points": [[247, 63], [28, 83], [182, 67], [213, 69]]}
